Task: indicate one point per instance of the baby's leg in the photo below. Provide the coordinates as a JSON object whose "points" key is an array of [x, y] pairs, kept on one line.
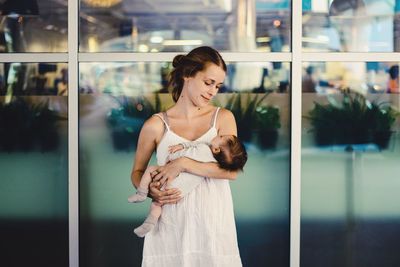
{"points": [[151, 220], [143, 189]]}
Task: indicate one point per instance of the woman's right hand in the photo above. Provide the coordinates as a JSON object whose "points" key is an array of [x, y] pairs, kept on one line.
{"points": [[167, 196]]}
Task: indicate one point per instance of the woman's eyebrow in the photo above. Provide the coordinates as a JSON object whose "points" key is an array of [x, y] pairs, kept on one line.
{"points": [[213, 81]]}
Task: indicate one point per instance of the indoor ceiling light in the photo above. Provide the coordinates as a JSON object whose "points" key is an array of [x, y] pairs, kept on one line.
{"points": [[182, 42], [102, 3]]}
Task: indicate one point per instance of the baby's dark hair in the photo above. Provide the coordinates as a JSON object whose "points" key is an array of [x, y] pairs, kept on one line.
{"points": [[232, 155]]}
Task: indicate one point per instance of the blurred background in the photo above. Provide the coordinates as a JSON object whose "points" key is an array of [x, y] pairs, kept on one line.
{"points": [[350, 125]]}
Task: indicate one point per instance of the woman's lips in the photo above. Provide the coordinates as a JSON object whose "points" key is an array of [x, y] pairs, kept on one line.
{"points": [[207, 99]]}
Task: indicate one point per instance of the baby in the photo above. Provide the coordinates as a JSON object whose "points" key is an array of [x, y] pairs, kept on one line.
{"points": [[226, 150]]}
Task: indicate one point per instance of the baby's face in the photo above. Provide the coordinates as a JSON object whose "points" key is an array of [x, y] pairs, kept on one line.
{"points": [[219, 140]]}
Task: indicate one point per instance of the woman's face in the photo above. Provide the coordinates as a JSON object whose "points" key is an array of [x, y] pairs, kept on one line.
{"points": [[204, 85]]}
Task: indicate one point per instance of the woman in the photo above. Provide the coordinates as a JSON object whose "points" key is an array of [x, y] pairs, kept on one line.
{"points": [[198, 230]]}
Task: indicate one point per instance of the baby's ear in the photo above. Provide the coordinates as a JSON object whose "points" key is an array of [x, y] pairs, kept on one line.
{"points": [[216, 150]]}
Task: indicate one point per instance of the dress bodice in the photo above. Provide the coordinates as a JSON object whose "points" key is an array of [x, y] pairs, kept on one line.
{"points": [[171, 138]]}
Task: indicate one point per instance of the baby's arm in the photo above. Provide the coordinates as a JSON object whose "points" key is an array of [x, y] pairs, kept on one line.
{"points": [[175, 148], [181, 146], [187, 149]]}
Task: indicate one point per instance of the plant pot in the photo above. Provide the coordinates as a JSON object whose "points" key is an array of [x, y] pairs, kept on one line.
{"points": [[244, 133], [267, 139], [121, 139], [125, 132], [382, 138], [323, 137], [49, 141], [26, 140]]}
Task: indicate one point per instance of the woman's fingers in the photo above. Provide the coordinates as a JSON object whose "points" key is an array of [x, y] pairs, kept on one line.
{"points": [[159, 176], [154, 173], [163, 181], [154, 189], [170, 196], [167, 196]]}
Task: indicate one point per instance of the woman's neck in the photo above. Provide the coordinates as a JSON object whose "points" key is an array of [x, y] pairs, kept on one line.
{"points": [[187, 109]]}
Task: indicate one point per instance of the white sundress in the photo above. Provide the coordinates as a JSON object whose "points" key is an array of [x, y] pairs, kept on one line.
{"points": [[198, 231]]}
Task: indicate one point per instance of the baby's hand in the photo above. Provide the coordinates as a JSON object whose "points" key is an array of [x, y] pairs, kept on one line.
{"points": [[174, 148]]}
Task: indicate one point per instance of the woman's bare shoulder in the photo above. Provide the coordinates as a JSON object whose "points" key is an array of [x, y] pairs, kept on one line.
{"points": [[226, 123], [153, 125], [225, 114]]}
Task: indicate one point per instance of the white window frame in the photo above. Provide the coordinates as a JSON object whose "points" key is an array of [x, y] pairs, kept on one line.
{"points": [[296, 58]]}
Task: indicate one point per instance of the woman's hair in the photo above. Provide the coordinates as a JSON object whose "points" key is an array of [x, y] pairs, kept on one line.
{"points": [[232, 155], [188, 65]]}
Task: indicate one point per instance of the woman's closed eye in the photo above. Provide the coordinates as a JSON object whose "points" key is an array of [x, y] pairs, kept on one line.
{"points": [[212, 82], [208, 83]]}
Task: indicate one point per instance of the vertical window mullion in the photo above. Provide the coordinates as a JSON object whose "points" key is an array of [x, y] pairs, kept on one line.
{"points": [[73, 173], [295, 187]]}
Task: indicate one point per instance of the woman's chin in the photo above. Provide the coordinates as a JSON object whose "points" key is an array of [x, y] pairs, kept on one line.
{"points": [[202, 104]]}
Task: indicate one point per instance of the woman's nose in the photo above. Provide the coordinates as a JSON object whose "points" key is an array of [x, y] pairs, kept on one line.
{"points": [[213, 91]]}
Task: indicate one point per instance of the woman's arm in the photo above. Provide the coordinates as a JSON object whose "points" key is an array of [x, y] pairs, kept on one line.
{"points": [[212, 170], [145, 148], [151, 132], [207, 169]]}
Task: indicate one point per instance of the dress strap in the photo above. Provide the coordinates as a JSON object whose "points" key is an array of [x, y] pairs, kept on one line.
{"points": [[164, 118], [214, 120]]}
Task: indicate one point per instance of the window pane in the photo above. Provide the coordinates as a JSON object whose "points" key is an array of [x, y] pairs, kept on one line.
{"points": [[162, 26], [351, 26], [34, 171], [20, 79], [107, 145], [350, 164], [33, 26]]}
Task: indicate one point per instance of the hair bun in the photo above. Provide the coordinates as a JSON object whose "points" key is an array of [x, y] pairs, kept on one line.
{"points": [[177, 60]]}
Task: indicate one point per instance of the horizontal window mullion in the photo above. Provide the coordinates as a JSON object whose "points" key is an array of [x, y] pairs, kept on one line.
{"points": [[34, 57], [162, 57], [351, 57], [228, 56]]}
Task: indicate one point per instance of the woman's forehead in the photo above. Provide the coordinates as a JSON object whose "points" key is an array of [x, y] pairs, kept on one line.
{"points": [[214, 72]]}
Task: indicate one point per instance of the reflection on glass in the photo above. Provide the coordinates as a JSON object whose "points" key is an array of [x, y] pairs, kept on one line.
{"points": [[110, 119], [351, 26], [34, 178], [18, 79], [362, 77], [163, 26], [33, 26], [350, 152], [133, 79]]}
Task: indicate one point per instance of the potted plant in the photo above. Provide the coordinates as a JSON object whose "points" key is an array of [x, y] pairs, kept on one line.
{"points": [[268, 122], [244, 114], [255, 122], [355, 120], [127, 119], [26, 126]]}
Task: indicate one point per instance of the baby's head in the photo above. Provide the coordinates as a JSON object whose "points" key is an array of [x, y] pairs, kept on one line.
{"points": [[229, 152]]}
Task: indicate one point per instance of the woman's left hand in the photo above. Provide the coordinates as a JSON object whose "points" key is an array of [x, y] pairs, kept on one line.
{"points": [[169, 171]]}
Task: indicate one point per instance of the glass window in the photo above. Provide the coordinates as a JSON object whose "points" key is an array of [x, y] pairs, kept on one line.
{"points": [[108, 136], [351, 26], [34, 170], [350, 151], [165, 26], [33, 26], [20, 79]]}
